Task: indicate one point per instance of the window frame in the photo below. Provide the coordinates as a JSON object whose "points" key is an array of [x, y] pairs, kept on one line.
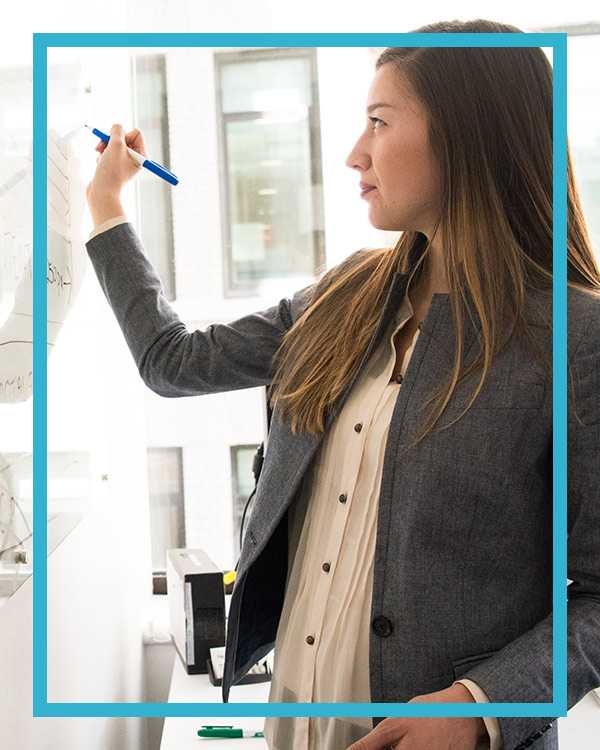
{"points": [[169, 285]]}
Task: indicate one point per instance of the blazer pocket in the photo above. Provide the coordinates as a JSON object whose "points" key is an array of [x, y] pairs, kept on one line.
{"points": [[464, 664]]}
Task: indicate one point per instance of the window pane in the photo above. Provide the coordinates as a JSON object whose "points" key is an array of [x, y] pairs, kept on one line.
{"points": [[270, 198], [272, 180], [167, 520], [266, 85], [156, 219]]}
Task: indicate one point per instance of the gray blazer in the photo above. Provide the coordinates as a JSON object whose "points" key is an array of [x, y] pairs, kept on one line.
{"points": [[463, 560]]}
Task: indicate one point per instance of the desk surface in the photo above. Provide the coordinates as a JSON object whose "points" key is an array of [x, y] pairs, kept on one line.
{"points": [[180, 733]]}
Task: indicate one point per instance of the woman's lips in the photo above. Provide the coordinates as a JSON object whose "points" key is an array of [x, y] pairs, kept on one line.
{"points": [[366, 191]]}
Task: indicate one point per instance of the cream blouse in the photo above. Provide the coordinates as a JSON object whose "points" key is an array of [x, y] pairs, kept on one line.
{"points": [[322, 644]]}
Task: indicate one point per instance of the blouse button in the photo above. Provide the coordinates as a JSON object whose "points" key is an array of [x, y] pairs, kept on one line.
{"points": [[342, 498], [399, 378], [358, 427], [326, 567], [310, 639]]}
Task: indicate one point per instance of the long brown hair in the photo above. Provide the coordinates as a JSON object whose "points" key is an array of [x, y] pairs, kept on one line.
{"points": [[496, 216]]}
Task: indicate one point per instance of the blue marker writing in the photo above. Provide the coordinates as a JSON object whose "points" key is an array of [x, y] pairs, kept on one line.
{"points": [[152, 166]]}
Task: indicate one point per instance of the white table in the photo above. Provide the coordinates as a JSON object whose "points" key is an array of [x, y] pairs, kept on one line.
{"points": [[180, 733]]}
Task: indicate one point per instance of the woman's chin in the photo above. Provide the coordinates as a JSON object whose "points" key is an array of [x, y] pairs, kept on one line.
{"points": [[386, 225], [378, 220]]}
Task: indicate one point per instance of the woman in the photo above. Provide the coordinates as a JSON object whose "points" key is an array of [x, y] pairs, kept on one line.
{"points": [[418, 559]]}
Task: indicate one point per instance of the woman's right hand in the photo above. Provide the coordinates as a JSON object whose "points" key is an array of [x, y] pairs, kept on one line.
{"points": [[114, 168]]}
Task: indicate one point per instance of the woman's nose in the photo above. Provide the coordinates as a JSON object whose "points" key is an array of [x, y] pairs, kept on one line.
{"points": [[356, 159]]}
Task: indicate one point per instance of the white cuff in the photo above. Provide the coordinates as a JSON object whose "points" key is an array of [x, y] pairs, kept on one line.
{"points": [[491, 722], [108, 224]]}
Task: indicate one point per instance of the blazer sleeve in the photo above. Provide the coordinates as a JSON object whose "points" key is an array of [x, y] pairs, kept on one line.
{"points": [[171, 360], [522, 670]]}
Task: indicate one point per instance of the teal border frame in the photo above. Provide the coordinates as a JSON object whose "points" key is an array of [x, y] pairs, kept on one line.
{"points": [[556, 41]]}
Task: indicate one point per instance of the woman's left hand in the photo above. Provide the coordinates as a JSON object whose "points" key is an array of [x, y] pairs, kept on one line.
{"points": [[423, 733]]}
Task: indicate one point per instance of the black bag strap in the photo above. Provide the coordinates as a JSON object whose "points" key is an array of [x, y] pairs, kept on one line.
{"points": [[257, 464]]}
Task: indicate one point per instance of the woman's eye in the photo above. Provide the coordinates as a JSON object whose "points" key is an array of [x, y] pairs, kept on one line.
{"points": [[374, 120]]}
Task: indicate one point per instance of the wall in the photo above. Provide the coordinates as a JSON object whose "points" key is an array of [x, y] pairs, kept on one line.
{"points": [[94, 645]]}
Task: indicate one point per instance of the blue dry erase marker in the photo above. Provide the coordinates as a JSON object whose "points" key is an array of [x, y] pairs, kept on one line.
{"points": [[152, 166]]}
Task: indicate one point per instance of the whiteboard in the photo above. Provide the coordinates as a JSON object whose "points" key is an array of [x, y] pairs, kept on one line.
{"points": [[64, 274], [65, 268]]}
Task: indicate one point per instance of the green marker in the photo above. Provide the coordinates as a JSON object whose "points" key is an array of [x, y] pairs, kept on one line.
{"points": [[226, 731]]}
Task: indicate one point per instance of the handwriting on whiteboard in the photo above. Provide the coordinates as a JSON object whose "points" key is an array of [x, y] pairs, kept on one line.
{"points": [[64, 268]]}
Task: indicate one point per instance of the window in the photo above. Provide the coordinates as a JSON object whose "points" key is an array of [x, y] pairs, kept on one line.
{"points": [[271, 178], [155, 210], [584, 131], [167, 517], [242, 477], [583, 49]]}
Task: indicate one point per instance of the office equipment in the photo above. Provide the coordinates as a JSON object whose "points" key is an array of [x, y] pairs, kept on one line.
{"points": [[196, 606], [151, 166]]}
